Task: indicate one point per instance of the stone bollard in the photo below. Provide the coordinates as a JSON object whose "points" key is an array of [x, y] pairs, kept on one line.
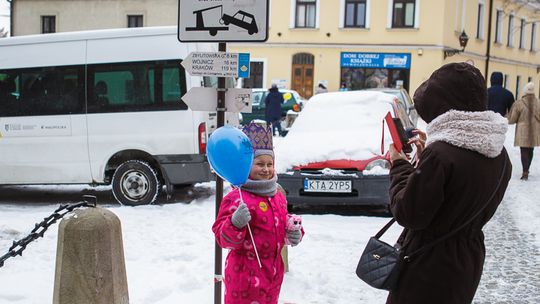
{"points": [[90, 267]]}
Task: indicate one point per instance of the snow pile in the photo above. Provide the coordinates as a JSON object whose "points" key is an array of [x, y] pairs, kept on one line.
{"points": [[337, 125]]}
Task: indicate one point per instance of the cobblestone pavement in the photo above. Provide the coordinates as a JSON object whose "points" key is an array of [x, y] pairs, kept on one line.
{"points": [[512, 267]]}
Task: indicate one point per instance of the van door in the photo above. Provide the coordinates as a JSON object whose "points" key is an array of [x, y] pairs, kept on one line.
{"points": [[43, 127]]}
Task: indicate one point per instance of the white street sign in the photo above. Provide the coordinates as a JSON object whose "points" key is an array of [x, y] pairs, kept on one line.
{"points": [[220, 64], [222, 20], [205, 99]]}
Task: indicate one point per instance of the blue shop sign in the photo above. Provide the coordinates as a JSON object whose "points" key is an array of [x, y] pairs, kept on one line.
{"points": [[376, 60]]}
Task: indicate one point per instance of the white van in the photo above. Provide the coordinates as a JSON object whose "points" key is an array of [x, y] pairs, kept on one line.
{"points": [[101, 107]]}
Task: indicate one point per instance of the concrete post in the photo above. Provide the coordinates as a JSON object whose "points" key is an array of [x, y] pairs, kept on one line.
{"points": [[90, 267]]}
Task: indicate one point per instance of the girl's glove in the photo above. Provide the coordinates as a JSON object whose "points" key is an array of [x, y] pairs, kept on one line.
{"points": [[241, 216], [294, 237]]}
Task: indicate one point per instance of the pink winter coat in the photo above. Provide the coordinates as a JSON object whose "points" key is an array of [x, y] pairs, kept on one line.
{"points": [[245, 281]]}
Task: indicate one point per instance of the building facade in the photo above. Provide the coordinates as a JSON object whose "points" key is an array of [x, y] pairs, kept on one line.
{"points": [[349, 44]]}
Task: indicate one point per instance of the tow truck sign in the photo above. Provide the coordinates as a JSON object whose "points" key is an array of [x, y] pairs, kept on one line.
{"points": [[222, 20]]}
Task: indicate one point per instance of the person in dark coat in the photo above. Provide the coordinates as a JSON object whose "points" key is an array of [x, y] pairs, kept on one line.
{"points": [[273, 102], [500, 100], [458, 170]]}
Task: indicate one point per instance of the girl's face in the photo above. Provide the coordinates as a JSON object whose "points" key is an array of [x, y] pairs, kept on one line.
{"points": [[262, 168]]}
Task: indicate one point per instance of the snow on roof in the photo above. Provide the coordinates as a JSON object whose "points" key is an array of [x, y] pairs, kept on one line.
{"points": [[337, 125]]}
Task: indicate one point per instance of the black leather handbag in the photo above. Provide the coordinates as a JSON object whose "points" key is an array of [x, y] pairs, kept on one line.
{"points": [[381, 263]]}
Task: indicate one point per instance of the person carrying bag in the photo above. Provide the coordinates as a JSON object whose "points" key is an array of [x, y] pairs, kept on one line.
{"points": [[381, 263], [454, 189]]}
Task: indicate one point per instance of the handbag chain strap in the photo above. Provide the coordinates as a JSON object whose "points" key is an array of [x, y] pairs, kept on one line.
{"points": [[449, 234]]}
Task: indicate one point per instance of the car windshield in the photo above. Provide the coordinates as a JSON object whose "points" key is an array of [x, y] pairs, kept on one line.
{"points": [[395, 93], [257, 97], [337, 125]]}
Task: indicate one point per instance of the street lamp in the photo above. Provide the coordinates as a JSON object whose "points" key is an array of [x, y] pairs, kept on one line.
{"points": [[463, 39]]}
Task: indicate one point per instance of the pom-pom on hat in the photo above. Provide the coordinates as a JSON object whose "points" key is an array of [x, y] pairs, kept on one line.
{"points": [[528, 89], [260, 135]]}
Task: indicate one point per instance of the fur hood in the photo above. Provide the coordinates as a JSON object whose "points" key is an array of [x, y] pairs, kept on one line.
{"points": [[482, 132]]}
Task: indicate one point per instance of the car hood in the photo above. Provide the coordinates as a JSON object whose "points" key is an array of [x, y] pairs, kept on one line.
{"points": [[337, 125]]}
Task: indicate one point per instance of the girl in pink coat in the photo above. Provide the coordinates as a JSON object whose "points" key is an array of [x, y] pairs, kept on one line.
{"points": [[263, 209]]}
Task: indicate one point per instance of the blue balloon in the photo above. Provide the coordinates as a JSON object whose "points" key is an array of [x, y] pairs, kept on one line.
{"points": [[230, 154]]}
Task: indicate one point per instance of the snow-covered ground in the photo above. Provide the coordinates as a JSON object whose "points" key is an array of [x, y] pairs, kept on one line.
{"points": [[169, 249]]}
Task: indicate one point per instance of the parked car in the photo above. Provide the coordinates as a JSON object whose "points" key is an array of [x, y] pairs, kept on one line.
{"points": [[289, 109], [336, 151], [404, 97]]}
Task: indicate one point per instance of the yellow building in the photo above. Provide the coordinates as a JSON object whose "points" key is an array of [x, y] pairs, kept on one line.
{"points": [[351, 43]]}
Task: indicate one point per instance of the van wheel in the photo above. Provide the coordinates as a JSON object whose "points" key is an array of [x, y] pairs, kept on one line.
{"points": [[135, 183]]}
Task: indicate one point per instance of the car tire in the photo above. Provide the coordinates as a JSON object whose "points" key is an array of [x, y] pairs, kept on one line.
{"points": [[135, 183]]}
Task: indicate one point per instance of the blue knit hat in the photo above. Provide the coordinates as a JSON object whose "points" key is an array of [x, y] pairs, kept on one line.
{"points": [[260, 135]]}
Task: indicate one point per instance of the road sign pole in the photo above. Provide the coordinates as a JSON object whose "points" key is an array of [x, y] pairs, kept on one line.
{"points": [[219, 182]]}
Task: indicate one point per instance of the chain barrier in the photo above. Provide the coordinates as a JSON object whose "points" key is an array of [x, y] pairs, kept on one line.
{"points": [[39, 229]]}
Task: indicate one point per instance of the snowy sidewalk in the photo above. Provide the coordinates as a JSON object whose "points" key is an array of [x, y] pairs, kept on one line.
{"points": [[512, 263]]}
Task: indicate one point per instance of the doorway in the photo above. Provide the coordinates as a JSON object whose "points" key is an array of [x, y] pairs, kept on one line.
{"points": [[302, 74]]}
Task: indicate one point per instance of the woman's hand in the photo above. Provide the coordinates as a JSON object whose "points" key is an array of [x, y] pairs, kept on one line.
{"points": [[395, 155], [419, 141]]}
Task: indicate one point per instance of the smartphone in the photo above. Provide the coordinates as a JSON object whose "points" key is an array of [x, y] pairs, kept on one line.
{"points": [[399, 137]]}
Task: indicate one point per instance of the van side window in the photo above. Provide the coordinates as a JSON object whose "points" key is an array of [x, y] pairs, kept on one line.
{"points": [[41, 91], [136, 86], [9, 94]]}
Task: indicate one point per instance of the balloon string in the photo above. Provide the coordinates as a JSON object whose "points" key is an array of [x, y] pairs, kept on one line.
{"points": [[250, 233]]}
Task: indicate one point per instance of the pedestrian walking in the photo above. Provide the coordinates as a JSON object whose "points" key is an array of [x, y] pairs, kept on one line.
{"points": [[525, 113], [500, 100], [273, 103], [254, 267], [463, 171]]}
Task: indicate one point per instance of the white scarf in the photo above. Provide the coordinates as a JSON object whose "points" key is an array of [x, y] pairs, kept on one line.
{"points": [[483, 132]]}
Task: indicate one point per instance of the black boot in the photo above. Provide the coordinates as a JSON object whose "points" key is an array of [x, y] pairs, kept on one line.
{"points": [[525, 175]]}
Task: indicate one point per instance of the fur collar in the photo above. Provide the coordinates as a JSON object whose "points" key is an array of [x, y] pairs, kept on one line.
{"points": [[482, 132]]}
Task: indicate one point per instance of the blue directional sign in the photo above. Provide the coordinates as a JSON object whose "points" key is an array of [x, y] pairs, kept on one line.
{"points": [[243, 65]]}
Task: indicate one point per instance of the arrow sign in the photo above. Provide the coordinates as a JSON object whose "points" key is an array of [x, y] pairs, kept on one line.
{"points": [[205, 99], [220, 64]]}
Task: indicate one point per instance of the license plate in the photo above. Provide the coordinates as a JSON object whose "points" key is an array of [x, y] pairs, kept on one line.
{"points": [[317, 185]]}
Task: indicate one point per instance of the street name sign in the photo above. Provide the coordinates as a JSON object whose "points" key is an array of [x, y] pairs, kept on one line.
{"points": [[220, 64], [223, 20], [205, 99]]}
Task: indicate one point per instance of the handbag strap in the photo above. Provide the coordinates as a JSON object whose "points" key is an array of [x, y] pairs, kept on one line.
{"points": [[383, 229], [449, 234]]}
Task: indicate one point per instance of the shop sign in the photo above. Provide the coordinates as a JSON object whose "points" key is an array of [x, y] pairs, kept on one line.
{"points": [[376, 60]]}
